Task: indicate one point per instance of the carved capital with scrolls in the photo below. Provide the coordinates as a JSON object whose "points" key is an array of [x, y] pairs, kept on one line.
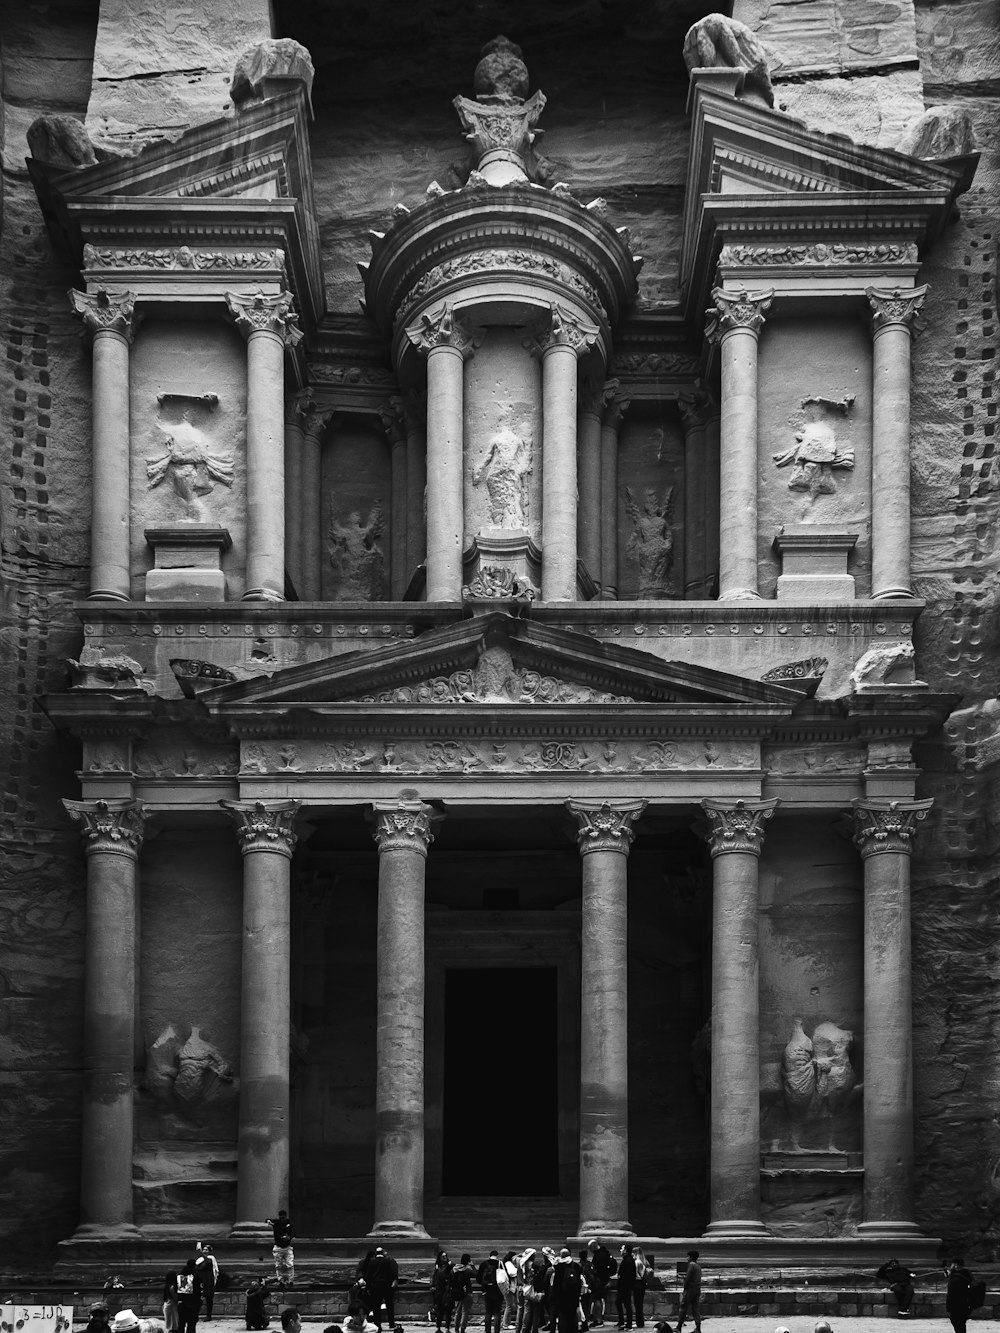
{"points": [[445, 330], [887, 826], [107, 312], [737, 311], [605, 826], [696, 408], [265, 314], [393, 418], [615, 412], [317, 421], [403, 826], [114, 827], [565, 330], [893, 307], [595, 398], [737, 826], [264, 826], [297, 408]]}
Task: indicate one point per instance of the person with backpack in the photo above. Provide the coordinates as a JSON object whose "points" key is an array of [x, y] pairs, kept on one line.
{"points": [[462, 1279], [507, 1279], [959, 1301], [188, 1297], [605, 1267], [441, 1298], [536, 1289], [493, 1302], [284, 1255], [567, 1288]]}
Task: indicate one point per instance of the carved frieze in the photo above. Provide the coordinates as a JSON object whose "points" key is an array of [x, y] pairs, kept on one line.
{"points": [[501, 261], [808, 669], [179, 757], [182, 257], [674, 364], [361, 376], [832, 254]]}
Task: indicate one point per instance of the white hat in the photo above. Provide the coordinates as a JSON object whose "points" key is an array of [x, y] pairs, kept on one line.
{"points": [[124, 1320], [822, 1326]]}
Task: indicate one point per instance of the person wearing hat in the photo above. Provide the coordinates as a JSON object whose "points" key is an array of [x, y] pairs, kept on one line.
{"points": [[567, 1288], [125, 1321]]}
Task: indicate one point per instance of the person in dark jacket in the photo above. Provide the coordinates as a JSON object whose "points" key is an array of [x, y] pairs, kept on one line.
{"points": [[956, 1301], [567, 1287], [605, 1267], [587, 1295], [899, 1280], [205, 1266], [627, 1279], [382, 1277], [188, 1297], [462, 1279], [492, 1295], [441, 1298], [691, 1293]]}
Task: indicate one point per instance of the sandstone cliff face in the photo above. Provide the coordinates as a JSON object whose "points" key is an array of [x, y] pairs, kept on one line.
{"points": [[384, 129]]}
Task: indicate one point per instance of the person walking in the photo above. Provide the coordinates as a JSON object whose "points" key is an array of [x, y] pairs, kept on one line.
{"points": [[441, 1298], [284, 1255], [508, 1275], [461, 1289], [957, 1304], [691, 1293], [382, 1276]]}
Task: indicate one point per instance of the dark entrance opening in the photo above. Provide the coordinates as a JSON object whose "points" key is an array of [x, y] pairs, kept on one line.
{"points": [[500, 1089]]}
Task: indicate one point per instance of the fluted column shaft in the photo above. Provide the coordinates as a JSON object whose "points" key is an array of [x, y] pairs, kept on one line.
{"points": [[403, 833], [884, 832], [736, 322], [735, 839], [268, 324], [611, 422], [310, 525], [894, 319], [605, 833], [112, 834], [265, 830], [111, 322], [294, 436]]}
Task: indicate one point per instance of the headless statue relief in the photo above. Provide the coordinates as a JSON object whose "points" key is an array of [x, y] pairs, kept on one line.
{"points": [[651, 544], [817, 1078], [193, 466], [356, 557], [505, 471]]}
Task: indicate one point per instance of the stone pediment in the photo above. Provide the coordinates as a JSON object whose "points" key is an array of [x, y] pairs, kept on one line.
{"points": [[495, 660]]}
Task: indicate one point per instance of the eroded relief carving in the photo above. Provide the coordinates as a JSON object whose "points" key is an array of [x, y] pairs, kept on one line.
{"points": [[177, 758], [808, 669], [193, 463], [817, 452], [505, 471], [99, 670], [826, 254], [719, 42], [817, 1080], [356, 558], [186, 1076], [651, 543], [885, 664], [498, 581]]}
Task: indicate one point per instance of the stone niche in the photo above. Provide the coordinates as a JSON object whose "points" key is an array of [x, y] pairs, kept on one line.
{"points": [[355, 517], [811, 1009], [651, 504], [188, 391], [814, 463]]}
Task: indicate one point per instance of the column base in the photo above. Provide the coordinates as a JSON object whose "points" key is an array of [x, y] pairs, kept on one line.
{"points": [[888, 1230], [618, 1230], [107, 595], [736, 1227], [892, 594], [261, 595], [109, 1231], [256, 1233], [740, 595], [401, 1230]]}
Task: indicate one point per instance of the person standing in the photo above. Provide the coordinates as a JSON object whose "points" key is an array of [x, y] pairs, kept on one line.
{"points": [[171, 1313], [462, 1279], [382, 1276], [492, 1295], [207, 1268], [188, 1297], [567, 1287], [535, 1292], [284, 1255], [605, 1267], [626, 1286], [441, 1291], [508, 1275], [956, 1302], [641, 1278], [691, 1293]]}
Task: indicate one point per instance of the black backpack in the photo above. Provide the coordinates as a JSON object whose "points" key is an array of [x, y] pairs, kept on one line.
{"points": [[977, 1294]]}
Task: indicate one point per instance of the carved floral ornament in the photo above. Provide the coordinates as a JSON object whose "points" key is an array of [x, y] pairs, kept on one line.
{"points": [[403, 826], [258, 313], [445, 329], [887, 826], [737, 827], [109, 826], [107, 312], [736, 311], [182, 257], [896, 307], [838, 254], [264, 826], [501, 261], [565, 330], [607, 827]]}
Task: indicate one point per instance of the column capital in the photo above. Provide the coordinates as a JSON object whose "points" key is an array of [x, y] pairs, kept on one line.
{"points": [[109, 826], [737, 826], [264, 826], [393, 418], [258, 313], [605, 826], [696, 408], [107, 312], [614, 413], [887, 826], [736, 310], [596, 398], [445, 330], [316, 421], [896, 307], [565, 330], [297, 408], [403, 826]]}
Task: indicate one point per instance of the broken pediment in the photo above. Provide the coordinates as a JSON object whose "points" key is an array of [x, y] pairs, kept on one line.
{"points": [[500, 660]]}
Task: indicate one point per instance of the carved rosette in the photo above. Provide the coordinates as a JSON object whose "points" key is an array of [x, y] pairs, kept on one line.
{"points": [[445, 330], [739, 311], [264, 826], [896, 308], [403, 826], [565, 330], [265, 314], [737, 826], [607, 826], [887, 826], [107, 312], [109, 826]]}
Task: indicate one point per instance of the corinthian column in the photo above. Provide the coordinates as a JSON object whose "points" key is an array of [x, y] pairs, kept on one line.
{"points": [[611, 423], [604, 833], [111, 321], [310, 519], [269, 325], [446, 342], [735, 324], [112, 837], [735, 839], [403, 834], [884, 832], [894, 320], [265, 830], [561, 346]]}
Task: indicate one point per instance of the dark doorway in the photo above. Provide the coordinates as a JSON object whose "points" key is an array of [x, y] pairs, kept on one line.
{"points": [[500, 1090]]}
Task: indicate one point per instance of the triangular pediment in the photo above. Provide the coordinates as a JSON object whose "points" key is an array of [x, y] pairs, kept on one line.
{"points": [[496, 661]]}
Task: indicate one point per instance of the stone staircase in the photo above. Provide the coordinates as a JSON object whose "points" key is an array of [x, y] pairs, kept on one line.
{"points": [[507, 1223]]}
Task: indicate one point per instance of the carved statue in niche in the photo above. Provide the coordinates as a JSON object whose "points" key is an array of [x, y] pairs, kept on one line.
{"points": [[357, 559], [505, 471], [651, 543], [188, 1077], [817, 1079], [816, 452], [190, 459]]}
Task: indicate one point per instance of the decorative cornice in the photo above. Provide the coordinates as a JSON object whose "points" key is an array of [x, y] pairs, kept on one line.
{"points": [[264, 826], [403, 826], [181, 257], [109, 826], [107, 312], [893, 307], [741, 310], [820, 254], [265, 314], [565, 330], [887, 826], [445, 330], [606, 826], [737, 826]]}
